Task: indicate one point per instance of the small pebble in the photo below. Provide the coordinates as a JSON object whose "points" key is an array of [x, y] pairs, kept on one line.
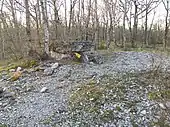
{"points": [[18, 69], [55, 65], [143, 112], [44, 89], [12, 70], [162, 106], [168, 104]]}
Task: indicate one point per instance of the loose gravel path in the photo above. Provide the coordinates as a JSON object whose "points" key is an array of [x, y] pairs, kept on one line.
{"points": [[23, 105]]}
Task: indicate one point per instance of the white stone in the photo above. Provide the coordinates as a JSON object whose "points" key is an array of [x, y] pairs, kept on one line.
{"points": [[12, 70], [44, 89], [162, 106], [143, 112], [48, 71], [18, 69], [168, 104], [55, 65]]}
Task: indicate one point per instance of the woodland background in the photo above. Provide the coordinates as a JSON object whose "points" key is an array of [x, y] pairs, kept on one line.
{"points": [[44, 25]]}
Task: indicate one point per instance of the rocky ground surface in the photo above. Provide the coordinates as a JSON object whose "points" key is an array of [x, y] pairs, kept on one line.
{"points": [[120, 89]]}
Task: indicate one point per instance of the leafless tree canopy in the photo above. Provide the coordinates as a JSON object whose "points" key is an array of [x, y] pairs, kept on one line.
{"points": [[45, 25]]}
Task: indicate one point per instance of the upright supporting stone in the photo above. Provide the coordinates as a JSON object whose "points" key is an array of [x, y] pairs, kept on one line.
{"points": [[81, 47]]}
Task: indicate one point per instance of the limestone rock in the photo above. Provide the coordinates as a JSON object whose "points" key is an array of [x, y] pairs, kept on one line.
{"points": [[18, 69], [44, 89], [82, 46], [168, 104], [12, 70], [48, 71], [162, 106], [55, 65]]}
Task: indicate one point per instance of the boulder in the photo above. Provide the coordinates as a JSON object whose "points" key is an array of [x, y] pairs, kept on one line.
{"points": [[82, 46]]}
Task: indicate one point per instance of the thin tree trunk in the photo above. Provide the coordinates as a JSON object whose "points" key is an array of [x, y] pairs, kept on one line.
{"points": [[65, 18], [124, 25], [28, 26], [88, 20], [166, 26], [135, 24], [146, 25], [150, 29], [82, 15], [96, 26], [37, 25], [46, 30], [2, 43], [56, 17], [15, 23]]}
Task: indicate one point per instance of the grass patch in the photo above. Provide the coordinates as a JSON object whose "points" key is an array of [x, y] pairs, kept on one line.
{"points": [[159, 95], [87, 102], [24, 63], [3, 125]]}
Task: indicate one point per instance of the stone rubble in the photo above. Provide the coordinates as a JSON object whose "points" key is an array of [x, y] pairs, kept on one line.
{"points": [[27, 103]]}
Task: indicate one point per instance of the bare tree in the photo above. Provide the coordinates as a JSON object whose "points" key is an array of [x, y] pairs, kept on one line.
{"points": [[118, 22], [96, 25], [88, 19], [149, 6], [135, 25], [72, 5], [123, 4], [166, 6], [1, 32], [28, 26], [111, 14], [46, 29]]}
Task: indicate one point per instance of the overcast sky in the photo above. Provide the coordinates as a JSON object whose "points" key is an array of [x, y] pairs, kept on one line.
{"points": [[160, 11]]}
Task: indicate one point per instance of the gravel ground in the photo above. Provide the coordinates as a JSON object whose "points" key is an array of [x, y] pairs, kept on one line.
{"points": [[22, 104]]}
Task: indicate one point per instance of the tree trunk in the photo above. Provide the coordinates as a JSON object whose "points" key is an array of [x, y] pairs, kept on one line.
{"points": [[88, 20], [65, 18], [28, 26], [124, 25], [83, 16], [135, 24], [15, 24], [96, 26], [37, 25], [56, 18], [146, 25], [46, 30], [166, 26]]}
